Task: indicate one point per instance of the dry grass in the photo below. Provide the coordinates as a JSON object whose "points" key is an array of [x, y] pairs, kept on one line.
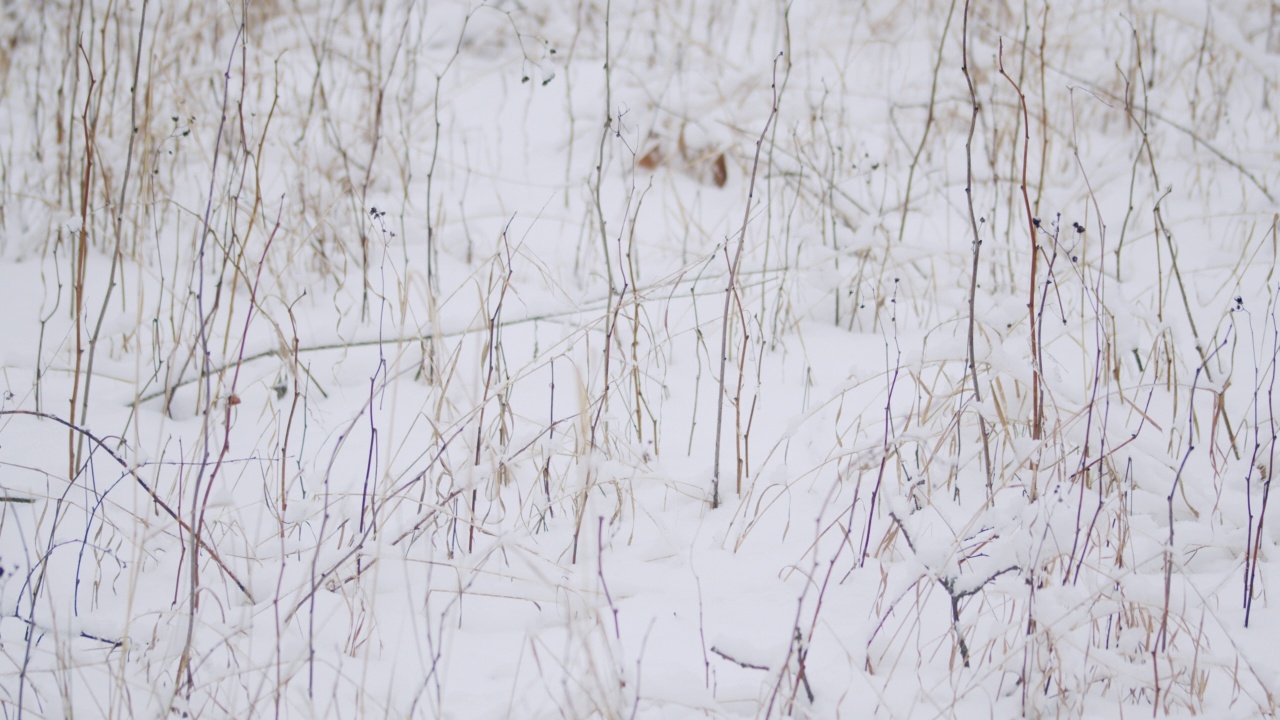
{"points": [[624, 359]]}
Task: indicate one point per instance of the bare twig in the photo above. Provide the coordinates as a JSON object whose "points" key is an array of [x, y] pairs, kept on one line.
{"points": [[731, 288]]}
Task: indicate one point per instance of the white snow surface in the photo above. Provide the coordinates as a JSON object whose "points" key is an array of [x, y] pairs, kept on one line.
{"points": [[627, 359]]}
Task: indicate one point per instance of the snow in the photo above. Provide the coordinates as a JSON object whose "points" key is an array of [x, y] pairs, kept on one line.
{"points": [[365, 360]]}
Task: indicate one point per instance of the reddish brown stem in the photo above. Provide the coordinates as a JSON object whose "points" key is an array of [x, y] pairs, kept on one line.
{"points": [[1037, 414]]}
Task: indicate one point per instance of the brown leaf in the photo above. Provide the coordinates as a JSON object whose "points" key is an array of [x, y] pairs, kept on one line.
{"points": [[719, 171], [651, 159]]}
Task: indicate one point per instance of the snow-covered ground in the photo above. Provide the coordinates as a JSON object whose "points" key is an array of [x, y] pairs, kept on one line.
{"points": [[629, 359]]}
